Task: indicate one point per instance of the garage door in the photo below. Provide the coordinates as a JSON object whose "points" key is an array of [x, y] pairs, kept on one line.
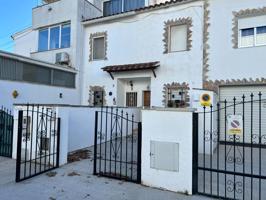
{"points": [[253, 111], [229, 92]]}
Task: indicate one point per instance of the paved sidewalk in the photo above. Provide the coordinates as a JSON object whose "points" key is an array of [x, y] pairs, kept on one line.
{"points": [[75, 182]]}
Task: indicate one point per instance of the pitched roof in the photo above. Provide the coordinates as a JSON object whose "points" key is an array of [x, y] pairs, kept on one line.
{"points": [[160, 5], [132, 67]]}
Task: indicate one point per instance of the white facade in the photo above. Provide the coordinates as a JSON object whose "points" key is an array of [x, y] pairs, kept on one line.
{"points": [[139, 39], [225, 61], [35, 93]]}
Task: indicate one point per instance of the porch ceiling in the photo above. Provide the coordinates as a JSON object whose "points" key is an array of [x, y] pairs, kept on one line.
{"points": [[132, 67]]}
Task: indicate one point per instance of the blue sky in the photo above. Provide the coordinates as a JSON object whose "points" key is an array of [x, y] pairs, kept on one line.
{"points": [[15, 15]]}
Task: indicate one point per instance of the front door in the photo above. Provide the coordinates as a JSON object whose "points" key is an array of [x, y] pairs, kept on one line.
{"points": [[146, 98]]}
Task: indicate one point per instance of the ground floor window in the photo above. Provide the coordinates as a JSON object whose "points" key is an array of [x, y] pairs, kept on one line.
{"points": [[131, 99], [176, 95], [97, 96]]}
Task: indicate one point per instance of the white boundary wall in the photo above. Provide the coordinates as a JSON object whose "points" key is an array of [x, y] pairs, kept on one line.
{"points": [[173, 126]]}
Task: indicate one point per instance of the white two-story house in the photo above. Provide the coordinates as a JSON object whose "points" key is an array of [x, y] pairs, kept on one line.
{"points": [[150, 56]]}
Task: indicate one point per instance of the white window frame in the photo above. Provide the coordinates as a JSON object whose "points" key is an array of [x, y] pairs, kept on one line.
{"points": [[254, 39], [92, 50], [49, 36]]}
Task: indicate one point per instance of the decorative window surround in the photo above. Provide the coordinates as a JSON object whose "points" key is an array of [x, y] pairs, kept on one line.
{"points": [[244, 14], [96, 35], [214, 85], [176, 86], [181, 21], [206, 37], [91, 94]]}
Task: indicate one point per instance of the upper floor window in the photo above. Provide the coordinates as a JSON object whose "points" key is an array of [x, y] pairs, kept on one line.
{"points": [[54, 37], [177, 35], [250, 37], [98, 46], [249, 31], [112, 7], [178, 38]]}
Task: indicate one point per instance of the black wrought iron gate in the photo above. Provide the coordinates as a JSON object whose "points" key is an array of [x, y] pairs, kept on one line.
{"points": [[231, 161], [117, 145], [6, 132], [38, 141]]}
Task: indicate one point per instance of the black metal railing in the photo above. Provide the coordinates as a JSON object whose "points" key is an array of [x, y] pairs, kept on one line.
{"points": [[232, 148], [6, 132], [38, 141], [117, 145]]}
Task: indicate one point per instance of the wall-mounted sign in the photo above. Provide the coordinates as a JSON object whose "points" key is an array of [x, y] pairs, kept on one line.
{"points": [[235, 124], [205, 100]]}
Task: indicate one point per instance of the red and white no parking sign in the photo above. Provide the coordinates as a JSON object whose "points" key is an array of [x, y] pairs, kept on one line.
{"points": [[235, 124]]}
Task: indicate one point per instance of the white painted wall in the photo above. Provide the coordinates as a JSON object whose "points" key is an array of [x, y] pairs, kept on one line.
{"points": [[225, 61], [35, 93], [23, 43], [138, 39], [168, 126]]}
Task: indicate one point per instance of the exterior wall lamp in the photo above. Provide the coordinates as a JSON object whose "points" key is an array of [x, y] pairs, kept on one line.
{"points": [[131, 85], [15, 94]]}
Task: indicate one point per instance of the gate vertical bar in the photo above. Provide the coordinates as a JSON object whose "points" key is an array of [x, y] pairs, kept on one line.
{"points": [[58, 142], [100, 135], [121, 145], [243, 118], [251, 135], [19, 140], [204, 149], [195, 149], [105, 150], [218, 148], [234, 151], [139, 152], [225, 140], [211, 112], [95, 143], [260, 144]]}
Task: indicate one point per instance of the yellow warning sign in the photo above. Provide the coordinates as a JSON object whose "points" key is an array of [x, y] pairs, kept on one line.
{"points": [[205, 100]]}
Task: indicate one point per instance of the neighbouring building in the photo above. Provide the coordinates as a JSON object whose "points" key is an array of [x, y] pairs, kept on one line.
{"points": [[26, 80], [56, 34]]}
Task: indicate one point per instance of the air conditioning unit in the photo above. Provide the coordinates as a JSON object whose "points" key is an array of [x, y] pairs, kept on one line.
{"points": [[62, 58]]}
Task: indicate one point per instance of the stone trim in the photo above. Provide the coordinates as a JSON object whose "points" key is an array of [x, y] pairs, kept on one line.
{"points": [[91, 94], [214, 85], [244, 14], [175, 85], [206, 37], [95, 35], [177, 22]]}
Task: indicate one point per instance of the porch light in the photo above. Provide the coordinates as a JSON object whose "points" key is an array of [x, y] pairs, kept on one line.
{"points": [[15, 94], [131, 84]]}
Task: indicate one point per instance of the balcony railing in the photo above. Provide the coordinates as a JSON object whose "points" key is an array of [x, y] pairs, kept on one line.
{"points": [[113, 7]]}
